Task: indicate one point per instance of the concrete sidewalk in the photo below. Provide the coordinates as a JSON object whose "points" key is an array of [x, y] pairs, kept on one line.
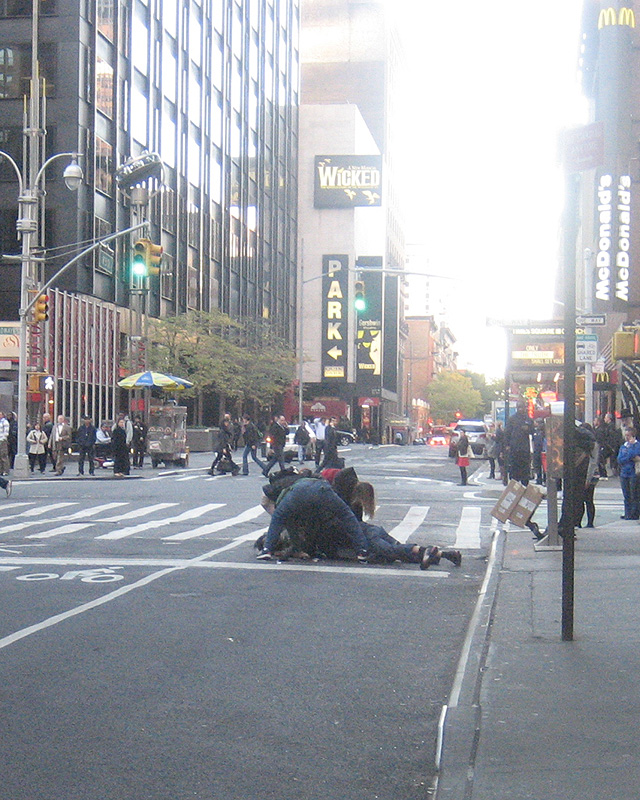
{"points": [[533, 716]]}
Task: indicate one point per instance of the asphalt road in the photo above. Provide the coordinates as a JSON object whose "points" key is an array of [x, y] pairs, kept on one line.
{"points": [[145, 653]]}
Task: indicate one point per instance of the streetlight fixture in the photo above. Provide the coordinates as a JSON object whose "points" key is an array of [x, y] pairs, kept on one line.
{"points": [[27, 226]]}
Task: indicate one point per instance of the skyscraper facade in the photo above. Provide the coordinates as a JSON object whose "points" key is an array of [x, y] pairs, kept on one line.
{"points": [[211, 86]]}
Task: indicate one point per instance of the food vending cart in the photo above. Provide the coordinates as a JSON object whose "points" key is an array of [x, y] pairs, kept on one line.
{"points": [[167, 436]]}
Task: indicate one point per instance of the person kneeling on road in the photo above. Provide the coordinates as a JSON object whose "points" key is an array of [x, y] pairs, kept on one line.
{"points": [[312, 504]]}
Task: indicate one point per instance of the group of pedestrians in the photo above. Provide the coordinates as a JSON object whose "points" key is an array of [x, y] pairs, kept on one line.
{"points": [[52, 441], [323, 433], [323, 516]]}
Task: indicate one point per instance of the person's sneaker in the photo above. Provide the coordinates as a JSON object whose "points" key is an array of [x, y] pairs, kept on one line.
{"points": [[454, 556], [9, 488], [431, 556], [264, 555], [362, 556]]}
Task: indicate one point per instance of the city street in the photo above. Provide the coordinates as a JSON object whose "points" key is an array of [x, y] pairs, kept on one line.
{"points": [[147, 654]]}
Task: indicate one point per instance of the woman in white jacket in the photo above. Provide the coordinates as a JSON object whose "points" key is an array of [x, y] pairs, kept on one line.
{"points": [[37, 441]]}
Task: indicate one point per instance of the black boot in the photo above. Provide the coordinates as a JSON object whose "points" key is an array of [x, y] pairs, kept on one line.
{"points": [[454, 556]]}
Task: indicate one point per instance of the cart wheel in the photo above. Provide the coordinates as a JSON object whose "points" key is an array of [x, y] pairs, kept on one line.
{"points": [[181, 462], [154, 463]]}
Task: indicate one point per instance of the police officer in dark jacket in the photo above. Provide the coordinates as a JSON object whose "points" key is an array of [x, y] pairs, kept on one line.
{"points": [[139, 442], [86, 440], [517, 440]]}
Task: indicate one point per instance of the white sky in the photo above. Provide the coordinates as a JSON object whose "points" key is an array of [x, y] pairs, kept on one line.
{"points": [[490, 85]]}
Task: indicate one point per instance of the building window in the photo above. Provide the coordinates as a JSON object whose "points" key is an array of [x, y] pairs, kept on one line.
{"points": [[11, 143], [105, 17], [104, 166], [15, 69], [23, 8], [104, 87], [167, 278]]}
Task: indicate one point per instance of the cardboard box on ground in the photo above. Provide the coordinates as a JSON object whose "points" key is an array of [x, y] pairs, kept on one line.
{"points": [[518, 503]]}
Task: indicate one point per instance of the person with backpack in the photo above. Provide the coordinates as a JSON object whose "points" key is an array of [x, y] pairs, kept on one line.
{"points": [[251, 437]]}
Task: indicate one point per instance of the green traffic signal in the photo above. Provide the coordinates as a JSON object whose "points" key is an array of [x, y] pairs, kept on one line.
{"points": [[359, 299], [140, 263]]}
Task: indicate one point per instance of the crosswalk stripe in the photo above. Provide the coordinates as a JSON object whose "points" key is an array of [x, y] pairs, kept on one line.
{"points": [[412, 520], [158, 523], [93, 511], [59, 531], [5, 506], [203, 530], [32, 512], [468, 531], [139, 512]]}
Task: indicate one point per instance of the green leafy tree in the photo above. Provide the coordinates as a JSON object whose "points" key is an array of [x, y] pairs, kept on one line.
{"points": [[221, 356], [451, 392]]}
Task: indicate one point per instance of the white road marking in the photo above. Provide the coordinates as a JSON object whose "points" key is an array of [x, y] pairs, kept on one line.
{"points": [[213, 527], [160, 523], [139, 512], [468, 530], [412, 520], [188, 478], [91, 512], [60, 531], [5, 506], [33, 512]]}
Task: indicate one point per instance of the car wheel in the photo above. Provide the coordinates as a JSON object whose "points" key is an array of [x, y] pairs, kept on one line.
{"points": [[343, 441]]}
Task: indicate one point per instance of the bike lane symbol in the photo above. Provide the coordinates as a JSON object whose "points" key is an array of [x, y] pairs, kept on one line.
{"points": [[98, 575]]}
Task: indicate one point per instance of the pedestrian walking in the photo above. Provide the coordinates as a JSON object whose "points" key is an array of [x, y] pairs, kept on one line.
{"points": [[86, 441], [464, 457], [628, 459], [278, 436], [12, 441], [6, 485], [4, 444], [223, 445], [251, 437], [139, 442], [37, 441], [301, 438], [60, 442], [491, 451], [121, 463]]}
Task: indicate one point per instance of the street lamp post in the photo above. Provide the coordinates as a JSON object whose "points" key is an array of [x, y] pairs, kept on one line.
{"points": [[27, 226]]}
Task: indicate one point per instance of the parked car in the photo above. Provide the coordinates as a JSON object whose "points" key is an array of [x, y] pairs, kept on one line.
{"points": [[476, 432], [291, 448]]}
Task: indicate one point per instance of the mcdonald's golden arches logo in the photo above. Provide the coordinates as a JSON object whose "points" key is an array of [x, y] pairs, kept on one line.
{"points": [[609, 16]]}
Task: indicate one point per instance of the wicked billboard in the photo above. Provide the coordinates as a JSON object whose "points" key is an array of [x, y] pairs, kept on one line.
{"points": [[347, 181]]}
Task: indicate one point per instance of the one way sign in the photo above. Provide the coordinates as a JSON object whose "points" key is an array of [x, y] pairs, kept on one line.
{"points": [[591, 320]]}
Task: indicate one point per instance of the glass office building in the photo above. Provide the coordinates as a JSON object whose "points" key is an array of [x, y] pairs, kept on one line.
{"points": [[209, 85]]}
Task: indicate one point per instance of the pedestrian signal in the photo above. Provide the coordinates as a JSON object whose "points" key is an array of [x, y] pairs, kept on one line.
{"points": [[359, 299], [41, 309]]}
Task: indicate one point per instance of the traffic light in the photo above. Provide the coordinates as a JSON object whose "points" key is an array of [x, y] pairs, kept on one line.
{"points": [[141, 256], [626, 346], [359, 299], [41, 309], [155, 258]]}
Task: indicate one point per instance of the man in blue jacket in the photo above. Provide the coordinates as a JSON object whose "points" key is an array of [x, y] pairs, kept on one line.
{"points": [[313, 504], [628, 457]]}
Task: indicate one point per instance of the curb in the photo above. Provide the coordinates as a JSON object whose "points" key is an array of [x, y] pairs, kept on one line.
{"points": [[459, 726]]}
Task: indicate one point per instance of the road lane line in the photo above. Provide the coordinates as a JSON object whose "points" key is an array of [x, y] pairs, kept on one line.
{"points": [[411, 522], [468, 530], [213, 527], [192, 513]]}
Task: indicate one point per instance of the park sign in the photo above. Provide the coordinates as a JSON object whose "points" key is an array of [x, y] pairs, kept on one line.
{"points": [[138, 169]]}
